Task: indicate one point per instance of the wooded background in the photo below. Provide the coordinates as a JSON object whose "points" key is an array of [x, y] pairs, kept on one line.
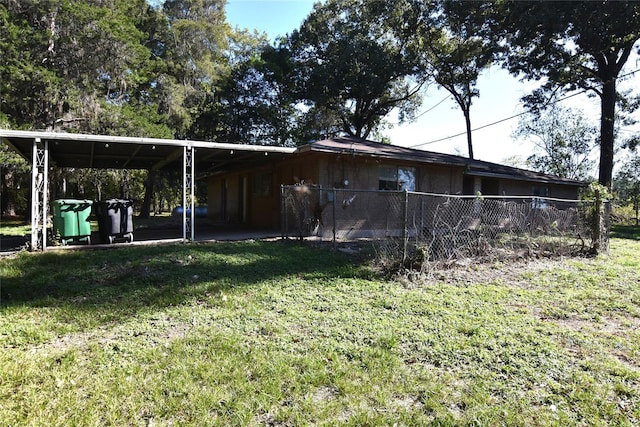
{"points": [[179, 70]]}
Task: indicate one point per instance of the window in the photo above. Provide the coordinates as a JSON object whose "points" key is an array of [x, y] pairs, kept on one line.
{"points": [[538, 202], [396, 178]]}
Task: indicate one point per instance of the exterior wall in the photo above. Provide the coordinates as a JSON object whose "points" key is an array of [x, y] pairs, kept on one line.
{"points": [[264, 199], [252, 197], [515, 188], [441, 179], [233, 199], [224, 195], [214, 208], [345, 171], [299, 169], [563, 192], [370, 213], [525, 188]]}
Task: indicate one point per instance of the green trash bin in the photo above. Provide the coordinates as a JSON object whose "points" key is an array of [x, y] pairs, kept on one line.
{"points": [[71, 220]]}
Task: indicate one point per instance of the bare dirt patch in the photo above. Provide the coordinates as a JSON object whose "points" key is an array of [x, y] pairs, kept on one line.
{"points": [[160, 330]]}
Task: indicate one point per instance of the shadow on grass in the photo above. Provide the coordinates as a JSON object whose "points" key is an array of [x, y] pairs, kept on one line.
{"points": [[10, 243], [631, 232], [122, 281]]}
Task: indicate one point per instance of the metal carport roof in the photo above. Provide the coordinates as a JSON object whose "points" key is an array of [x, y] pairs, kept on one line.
{"points": [[118, 152]]}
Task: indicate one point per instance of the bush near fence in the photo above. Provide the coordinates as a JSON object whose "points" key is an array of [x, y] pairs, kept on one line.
{"points": [[419, 229]]}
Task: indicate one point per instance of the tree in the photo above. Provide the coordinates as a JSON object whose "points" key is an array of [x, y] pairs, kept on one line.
{"points": [[355, 58], [258, 100], [14, 183], [563, 142], [195, 59], [456, 64], [31, 91], [73, 64], [571, 46], [456, 58]]}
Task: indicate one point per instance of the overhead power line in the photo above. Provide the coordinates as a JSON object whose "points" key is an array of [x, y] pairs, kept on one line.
{"points": [[432, 108], [495, 123], [631, 73]]}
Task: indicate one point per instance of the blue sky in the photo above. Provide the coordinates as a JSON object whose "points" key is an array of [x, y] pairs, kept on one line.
{"points": [[275, 17]]}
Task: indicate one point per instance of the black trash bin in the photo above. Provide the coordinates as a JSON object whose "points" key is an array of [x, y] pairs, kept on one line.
{"points": [[115, 220]]}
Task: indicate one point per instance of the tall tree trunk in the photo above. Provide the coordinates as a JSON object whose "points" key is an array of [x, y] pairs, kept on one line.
{"points": [[467, 120], [607, 126], [125, 184], [7, 206], [145, 209]]}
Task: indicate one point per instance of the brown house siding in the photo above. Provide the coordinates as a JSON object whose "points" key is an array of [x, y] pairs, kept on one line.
{"points": [[509, 187], [252, 196], [245, 198]]}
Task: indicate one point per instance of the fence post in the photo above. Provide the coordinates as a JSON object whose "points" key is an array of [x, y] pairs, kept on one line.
{"points": [[283, 212], [420, 236], [335, 197], [405, 220], [596, 225], [607, 223]]}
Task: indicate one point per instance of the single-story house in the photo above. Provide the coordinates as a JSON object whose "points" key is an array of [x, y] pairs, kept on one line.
{"points": [[251, 195]]}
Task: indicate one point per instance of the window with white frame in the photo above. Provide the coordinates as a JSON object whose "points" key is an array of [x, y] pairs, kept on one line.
{"points": [[396, 178], [538, 201]]}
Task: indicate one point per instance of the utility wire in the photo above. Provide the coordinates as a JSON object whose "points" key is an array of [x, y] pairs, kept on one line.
{"points": [[507, 118], [432, 108], [496, 122]]}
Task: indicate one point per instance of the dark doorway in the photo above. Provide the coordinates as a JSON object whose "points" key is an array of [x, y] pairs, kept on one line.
{"points": [[468, 185]]}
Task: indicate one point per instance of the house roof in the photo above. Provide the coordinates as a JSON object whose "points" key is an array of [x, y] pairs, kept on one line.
{"points": [[366, 148], [104, 151]]}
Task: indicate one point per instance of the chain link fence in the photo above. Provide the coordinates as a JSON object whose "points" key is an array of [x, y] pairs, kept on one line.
{"points": [[419, 230]]}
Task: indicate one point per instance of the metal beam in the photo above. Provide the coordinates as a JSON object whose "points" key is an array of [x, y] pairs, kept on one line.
{"points": [[188, 199], [39, 189], [135, 152]]}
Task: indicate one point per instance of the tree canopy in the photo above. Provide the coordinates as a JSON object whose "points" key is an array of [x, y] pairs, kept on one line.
{"points": [[563, 139], [627, 183], [178, 69], [456, 58], [567, 46], [356, 58]]}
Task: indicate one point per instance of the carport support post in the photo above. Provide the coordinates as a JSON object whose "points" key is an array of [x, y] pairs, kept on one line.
{"points": [[39, 186], [188, 194]]}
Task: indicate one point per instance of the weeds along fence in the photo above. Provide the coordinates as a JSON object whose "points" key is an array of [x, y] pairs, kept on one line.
{"points": [[409, 228]]}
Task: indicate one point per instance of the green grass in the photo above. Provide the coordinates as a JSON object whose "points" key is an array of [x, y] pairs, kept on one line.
{"points": [[625, 232], [14, 227], [274, 333]]}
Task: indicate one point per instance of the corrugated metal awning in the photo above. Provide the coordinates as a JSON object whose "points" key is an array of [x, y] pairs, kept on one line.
{"points": [[118, 152]]}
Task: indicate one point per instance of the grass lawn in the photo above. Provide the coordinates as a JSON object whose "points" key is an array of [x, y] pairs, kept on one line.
{"points": [[280, 334], [14, 227]]}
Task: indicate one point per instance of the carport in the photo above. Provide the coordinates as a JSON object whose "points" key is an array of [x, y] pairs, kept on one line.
{"points": [[46, 149]]}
